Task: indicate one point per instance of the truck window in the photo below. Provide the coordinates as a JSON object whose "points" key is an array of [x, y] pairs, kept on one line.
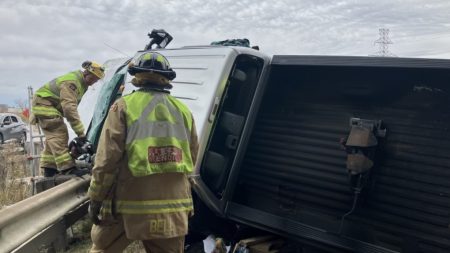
{"points": [[14, 119], [231, 117]]}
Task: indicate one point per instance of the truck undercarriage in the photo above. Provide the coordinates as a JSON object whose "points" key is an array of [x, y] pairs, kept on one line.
{"points": [[294, 179]]}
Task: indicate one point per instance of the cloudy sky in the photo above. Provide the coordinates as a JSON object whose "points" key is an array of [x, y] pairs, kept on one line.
{"points": [[41, 39]]}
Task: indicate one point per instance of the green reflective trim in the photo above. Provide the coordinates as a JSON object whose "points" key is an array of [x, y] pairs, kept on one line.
{"points": [[134, 104], [78, 128], [152, 211], [150, 207], [183, 108], [94, 188], [152, 202], [163, 120], [97, 186], [63, 158], [45, 111], [47, 158], [107, 182], [53, 88]]}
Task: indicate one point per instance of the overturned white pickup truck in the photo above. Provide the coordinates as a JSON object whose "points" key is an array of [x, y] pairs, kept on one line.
{"points": [[342, 154]]}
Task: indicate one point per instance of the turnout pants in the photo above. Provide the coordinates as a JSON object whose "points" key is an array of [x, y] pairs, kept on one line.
{"points": [[111, 238], [56, 152]]}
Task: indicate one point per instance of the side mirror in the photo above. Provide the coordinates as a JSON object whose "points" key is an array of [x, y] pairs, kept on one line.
{"points": [[1, 125]]}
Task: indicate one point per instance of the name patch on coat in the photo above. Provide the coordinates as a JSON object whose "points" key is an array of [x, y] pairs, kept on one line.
{"points": [[161, 227], [165, 154]]}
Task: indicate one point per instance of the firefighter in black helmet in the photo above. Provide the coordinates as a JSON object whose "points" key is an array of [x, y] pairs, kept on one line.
{"points": [[147, 148]]}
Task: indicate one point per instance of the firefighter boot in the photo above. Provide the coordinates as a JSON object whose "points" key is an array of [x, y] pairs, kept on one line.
{"points": [[75, 171], [49, 172]]}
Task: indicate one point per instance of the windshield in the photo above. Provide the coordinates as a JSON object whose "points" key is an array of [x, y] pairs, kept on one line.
{"points": [[107, 95]]}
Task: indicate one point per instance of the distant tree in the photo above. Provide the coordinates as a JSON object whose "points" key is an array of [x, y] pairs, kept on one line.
{"points": [[22, 104]]}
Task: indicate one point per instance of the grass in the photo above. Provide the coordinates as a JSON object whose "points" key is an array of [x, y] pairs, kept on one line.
{"points": [[13, 168]]}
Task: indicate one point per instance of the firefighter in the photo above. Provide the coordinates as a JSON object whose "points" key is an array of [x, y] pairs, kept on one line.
{"points": [[54, 101], [139, 188]]}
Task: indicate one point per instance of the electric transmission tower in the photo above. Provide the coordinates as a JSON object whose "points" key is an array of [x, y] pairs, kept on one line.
{"points": [[383, 44]]}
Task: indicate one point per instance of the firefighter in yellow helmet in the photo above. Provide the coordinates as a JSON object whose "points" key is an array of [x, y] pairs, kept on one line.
{"points": [[139, 188], [56, 100]]}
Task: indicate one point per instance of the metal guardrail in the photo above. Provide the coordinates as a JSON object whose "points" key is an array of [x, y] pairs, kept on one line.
{"points": [[28, 224]]}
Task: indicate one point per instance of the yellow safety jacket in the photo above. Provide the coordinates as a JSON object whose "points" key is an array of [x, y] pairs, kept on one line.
{"points": [[63, 94], [158, 134]]}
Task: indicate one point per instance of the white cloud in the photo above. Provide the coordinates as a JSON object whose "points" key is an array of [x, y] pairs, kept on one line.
{"points": [[42, 39]]}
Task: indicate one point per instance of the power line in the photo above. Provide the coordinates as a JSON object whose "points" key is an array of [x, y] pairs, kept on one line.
{"points": [[116, 50], [430, 36]]}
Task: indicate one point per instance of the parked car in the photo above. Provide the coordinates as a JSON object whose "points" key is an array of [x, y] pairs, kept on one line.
{"points": [[12, 127]]}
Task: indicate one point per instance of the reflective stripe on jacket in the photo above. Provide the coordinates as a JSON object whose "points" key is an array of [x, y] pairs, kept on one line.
{"points": [[149, 206], [158, 134]]}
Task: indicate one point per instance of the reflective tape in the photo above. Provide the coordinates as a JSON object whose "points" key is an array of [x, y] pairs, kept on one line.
{"points": [[150, 207], [45, 111], [63, 158], [47, 158], [53, 88], [143, 128], [78, 128], [95, 188]]}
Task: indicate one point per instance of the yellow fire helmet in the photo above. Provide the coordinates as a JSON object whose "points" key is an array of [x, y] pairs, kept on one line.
{"points": [[94, 68]]}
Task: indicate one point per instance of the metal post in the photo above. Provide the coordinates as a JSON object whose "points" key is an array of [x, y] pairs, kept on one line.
{"points": [[30, 126]]}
